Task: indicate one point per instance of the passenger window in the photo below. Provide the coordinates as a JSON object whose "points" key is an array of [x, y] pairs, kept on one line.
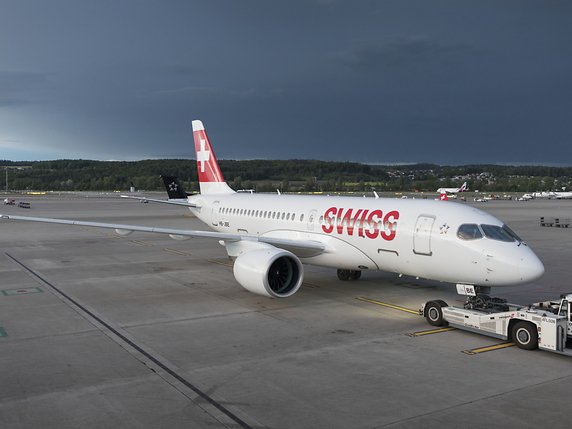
{"points": [[283, 214], [301, 217], [469, 231]]}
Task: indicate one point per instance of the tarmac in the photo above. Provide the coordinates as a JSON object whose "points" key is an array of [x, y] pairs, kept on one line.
{"points": [[103, 331]]}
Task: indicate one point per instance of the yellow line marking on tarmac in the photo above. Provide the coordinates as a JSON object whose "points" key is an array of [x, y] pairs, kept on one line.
{"points": [[99, 232], [166, 249], [311, 285], [141, 243], [384, 304], [430, 332], [220, 263], [178, 252], [212, 261], [485, 349]]}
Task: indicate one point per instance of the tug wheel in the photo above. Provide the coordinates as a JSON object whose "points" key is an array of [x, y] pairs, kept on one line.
{"points": [[525, 335], [434, 313]]}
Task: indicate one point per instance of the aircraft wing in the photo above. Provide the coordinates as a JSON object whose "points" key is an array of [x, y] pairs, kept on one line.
{"points": [[183, 203], [301, 248]]}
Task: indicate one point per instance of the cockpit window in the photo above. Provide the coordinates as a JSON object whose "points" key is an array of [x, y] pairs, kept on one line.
{"points": [[511, 233], [469, 231], [500, 233]]}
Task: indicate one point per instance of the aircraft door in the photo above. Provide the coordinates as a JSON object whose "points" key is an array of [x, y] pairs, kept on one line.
{"points": [[312, 220], [422, 235], [214, 214]]}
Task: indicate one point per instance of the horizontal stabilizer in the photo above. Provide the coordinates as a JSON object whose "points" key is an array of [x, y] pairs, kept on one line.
{"points": [[152, 200]]}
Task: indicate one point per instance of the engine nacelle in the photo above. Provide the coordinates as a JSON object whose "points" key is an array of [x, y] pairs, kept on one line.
{"points": [[269, 271]]}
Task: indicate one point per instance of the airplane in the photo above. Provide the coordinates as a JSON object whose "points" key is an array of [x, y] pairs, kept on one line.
{"points": [[271, 236], [525, 197], [562, 195], [552, 195], [463, 188], [544, 194]]}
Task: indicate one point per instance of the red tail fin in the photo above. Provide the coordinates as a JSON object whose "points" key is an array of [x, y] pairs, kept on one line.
{"points": [[211, 180], [443, 197]]}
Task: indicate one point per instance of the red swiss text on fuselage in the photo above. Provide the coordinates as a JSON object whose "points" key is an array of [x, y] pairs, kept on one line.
{"points": [[365, 223]]}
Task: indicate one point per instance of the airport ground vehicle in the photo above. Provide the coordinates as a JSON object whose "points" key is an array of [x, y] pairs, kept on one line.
{"points": [[9, 202], [545, 325]]}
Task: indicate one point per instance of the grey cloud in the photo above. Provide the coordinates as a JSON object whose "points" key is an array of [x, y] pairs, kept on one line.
{"points": [[399, 52], [17, 80], [188, 90], [20, 87], [12, 102], [183, 70]]}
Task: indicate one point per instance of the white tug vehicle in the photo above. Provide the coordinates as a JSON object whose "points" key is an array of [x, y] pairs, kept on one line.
{"points": [[544, 325]]}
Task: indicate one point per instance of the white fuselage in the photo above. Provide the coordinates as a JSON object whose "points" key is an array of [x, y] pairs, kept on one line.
{"points": [[563, 195], [411, 237]]}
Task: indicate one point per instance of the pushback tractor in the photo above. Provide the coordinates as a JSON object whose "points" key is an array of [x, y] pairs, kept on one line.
{"points": [[544, 325]]}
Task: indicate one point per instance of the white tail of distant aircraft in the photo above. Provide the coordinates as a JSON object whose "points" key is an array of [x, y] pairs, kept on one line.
{"points": [[463, 188], [271, 236]]}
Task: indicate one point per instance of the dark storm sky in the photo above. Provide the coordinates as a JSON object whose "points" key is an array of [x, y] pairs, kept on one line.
{"points": [[449, 82]]}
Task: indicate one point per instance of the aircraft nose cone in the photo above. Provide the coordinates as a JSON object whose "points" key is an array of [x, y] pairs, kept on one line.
{"points": [[531, 268]]}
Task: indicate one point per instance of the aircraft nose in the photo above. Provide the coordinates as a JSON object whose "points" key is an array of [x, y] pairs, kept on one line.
{"points": [[531, 268]]}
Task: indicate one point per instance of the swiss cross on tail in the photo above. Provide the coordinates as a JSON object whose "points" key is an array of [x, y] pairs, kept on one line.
{"points": [[443, 197], [210, 176]]}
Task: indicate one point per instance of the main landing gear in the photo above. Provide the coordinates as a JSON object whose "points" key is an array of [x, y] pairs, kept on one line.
{"points": [[349, 274]]}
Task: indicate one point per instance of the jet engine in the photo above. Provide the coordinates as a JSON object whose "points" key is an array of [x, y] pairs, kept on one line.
{"points": [[269, 271]]}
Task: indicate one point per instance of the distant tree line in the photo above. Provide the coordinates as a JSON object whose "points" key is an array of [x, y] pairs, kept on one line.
{"points": [[286, 175]]}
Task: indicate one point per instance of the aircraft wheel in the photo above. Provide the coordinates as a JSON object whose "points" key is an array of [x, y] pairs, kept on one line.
{"points": [[355, 274], [434, 313], [344, 275], [525, 335]]}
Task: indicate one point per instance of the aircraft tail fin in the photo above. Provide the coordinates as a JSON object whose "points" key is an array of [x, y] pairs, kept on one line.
{"points": [[443, 196], [211, 180], [174, 188], [464, 187]]}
